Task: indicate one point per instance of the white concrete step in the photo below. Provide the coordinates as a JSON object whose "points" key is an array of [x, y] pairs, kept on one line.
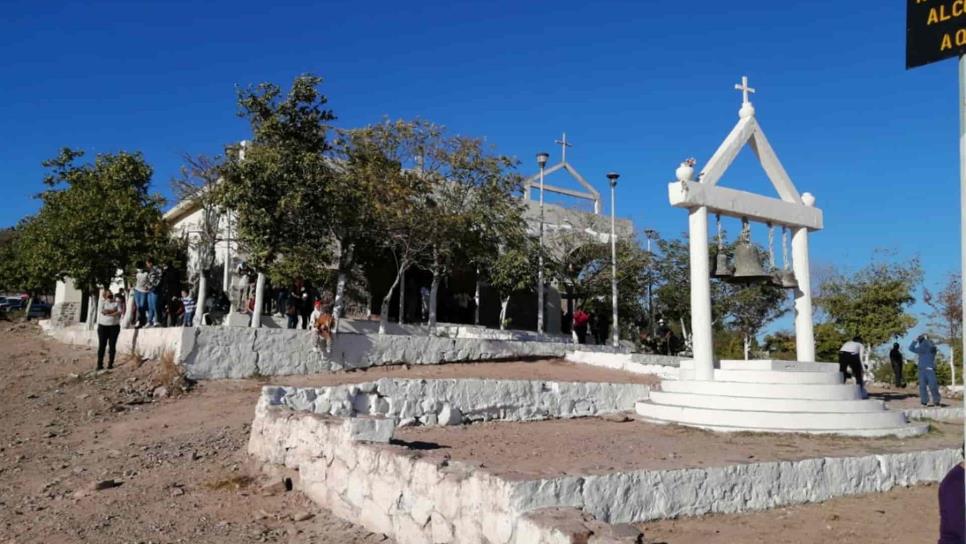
{"points": [[838, 391], [769, 376], [780, 421], [771, 364], [764, 404]]}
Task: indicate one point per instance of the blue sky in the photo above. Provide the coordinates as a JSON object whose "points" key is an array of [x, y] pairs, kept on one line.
{"points": [[637, 86]]}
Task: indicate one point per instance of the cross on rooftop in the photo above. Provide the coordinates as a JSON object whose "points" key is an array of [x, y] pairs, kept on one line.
{"points": [[745, 89], [564, 144]]}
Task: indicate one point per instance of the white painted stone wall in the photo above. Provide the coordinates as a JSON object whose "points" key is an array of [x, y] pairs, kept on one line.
{"points": [[638, 363], [452, 402], [150, 342], [647, 495], [242, 352], [393, 491], [221, 352], [947, 413]]}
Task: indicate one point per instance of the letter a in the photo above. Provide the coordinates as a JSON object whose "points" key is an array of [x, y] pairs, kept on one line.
{"points": [[933, 17], [947, 43]]}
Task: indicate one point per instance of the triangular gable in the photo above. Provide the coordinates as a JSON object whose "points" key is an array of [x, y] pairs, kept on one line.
{"points": [[749, 132]]}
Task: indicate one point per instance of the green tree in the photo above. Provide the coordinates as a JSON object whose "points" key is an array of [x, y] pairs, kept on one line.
{"points": [[96, 218], [278, 186], [872, 303], [513, 271], [400, 197], [947, 311]]}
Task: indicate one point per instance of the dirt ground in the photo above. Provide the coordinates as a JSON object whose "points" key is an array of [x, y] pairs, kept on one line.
{"points": [[179, 464], [904, 515], [180, 473], [552, 448]]}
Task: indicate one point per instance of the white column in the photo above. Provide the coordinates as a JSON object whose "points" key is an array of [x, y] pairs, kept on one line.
{"points": [[199, 317], [804, 337], [259, 300], [700, 294]]}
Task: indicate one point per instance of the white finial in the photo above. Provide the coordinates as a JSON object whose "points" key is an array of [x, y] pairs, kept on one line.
{"points": [[564, 144], [747, 110], [808, 199]]}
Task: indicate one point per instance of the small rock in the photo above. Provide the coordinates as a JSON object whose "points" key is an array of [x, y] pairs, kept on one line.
{"points": [[160, 392], [177, 492], [105, 484], [616, 417], [302, 516]]}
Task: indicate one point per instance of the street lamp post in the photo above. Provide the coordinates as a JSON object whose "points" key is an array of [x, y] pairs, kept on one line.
{"points": [[612, 176], [651, 234], [542, 162]]}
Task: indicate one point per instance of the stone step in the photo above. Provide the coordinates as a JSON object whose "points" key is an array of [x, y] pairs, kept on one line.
{"points": [[769, 376], [771, 421], [839, 391], [764, 404], [767, 364]]}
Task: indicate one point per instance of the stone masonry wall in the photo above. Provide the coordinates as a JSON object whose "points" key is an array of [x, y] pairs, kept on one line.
{"points": [[617, 497], [452, 402], [393, 491], [220, 352]]}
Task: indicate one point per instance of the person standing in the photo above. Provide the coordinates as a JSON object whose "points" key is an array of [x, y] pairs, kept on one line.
{"points": [[581, 319], [952, 507], [895, 357], [665, 337], [926, 350], [292, 309], [142, 287], [850, 358], [154, 284], [108, 328], [188, 303]]}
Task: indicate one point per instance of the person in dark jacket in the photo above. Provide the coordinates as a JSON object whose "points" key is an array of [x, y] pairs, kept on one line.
{"points": [[952, 507], [895, 357]]}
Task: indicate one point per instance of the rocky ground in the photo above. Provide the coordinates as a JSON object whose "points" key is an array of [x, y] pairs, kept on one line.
{"points": [[90, 457]]}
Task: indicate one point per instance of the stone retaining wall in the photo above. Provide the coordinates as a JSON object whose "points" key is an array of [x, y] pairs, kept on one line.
{"points": [[452, 402], [393, 491], [945, 413], [148, 342], [638, 363], [241, 352]]}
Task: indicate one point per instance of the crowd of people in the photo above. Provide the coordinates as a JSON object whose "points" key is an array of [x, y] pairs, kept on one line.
{"points": [[852, 353]]}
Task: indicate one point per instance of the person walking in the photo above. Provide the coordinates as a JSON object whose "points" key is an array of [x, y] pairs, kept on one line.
{"points": [[897, 360], [108, 328], [850, 358], [142, 287], [292, 309], [926, 350]]}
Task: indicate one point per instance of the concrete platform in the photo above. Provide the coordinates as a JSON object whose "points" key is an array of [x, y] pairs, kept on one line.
{"points": [[773, 396]]}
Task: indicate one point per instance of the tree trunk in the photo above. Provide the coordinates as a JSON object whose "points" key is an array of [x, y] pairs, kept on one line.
{"points": [[433, 291], [476, 299], [199, 317], [384, 311], [345, 263], [747, 346], [30, 302], [259, 301], [402, 298], [503, 306]]}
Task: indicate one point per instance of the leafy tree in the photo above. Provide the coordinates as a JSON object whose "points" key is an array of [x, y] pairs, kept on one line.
{"points": [[197, 184], [22, 266], [278, 186], [513, 271], [781, 345], [947, 310], [871, 303], [400, 197], [96, 218]]}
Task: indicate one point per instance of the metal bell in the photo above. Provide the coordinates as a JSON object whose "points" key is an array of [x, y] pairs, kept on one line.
{"points": [[721, 267], [748, 265], [787, 279]]}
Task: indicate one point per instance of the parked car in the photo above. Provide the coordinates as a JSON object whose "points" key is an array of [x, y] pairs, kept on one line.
{"points": [[39, 309], [13, 303]]}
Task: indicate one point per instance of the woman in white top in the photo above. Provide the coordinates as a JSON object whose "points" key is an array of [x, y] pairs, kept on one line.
{"points": [[108, 328]]}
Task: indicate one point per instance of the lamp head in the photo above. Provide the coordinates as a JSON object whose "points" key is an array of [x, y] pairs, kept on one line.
{"points": [[612, 176], [542, 158]]}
